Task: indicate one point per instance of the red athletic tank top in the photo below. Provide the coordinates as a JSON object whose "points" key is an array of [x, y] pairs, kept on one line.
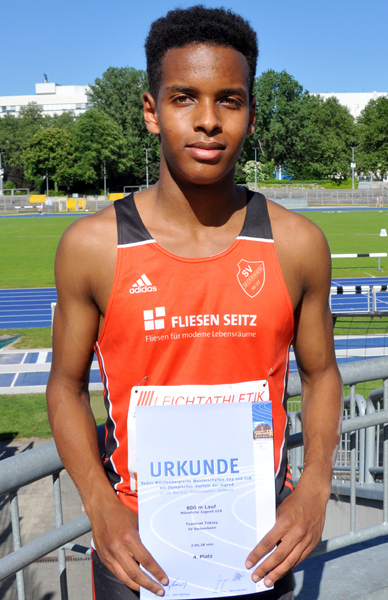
{"points": [[222, 319]]}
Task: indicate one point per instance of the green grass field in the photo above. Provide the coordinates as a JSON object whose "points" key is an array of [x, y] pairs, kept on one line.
{"points": [[28, 245], [38, 337], [27, 250], [349, 232], [25, 415]]}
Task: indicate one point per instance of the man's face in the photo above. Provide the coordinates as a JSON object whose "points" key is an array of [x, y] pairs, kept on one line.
{"points": [[203, 112]]}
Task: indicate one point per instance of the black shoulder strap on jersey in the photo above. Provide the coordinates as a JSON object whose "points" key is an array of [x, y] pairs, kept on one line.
{"points": [[257, 223], [130, 227], [131, 230]]}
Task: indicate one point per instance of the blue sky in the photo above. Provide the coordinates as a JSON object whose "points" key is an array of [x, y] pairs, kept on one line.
{"points": [[330, 46]]}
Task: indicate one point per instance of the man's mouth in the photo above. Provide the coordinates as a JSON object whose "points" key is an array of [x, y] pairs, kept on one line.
{"points": [[206, 150]]}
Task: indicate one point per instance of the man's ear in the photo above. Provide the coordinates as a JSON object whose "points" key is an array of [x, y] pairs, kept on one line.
{"points": [[150, 113], [252, 117]]}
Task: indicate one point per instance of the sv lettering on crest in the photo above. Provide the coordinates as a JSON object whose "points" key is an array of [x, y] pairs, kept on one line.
{"points": [[251, 276], [247, 271]]}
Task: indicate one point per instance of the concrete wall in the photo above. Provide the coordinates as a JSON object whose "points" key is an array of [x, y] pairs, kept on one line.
{"points": [[290, 202], [368, 512]]}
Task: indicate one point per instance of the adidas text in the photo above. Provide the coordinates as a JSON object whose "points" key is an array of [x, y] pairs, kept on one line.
{"points": [[142, 285], [143, 289]]}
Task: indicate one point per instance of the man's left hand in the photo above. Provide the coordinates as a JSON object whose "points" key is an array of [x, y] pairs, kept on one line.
{"points": [[299, 524]]}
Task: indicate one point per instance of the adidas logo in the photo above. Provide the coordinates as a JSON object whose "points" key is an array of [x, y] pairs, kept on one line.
{"points": [[142, 285]]}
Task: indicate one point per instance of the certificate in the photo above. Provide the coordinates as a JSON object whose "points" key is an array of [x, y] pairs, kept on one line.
{"points": [[206, 493]]}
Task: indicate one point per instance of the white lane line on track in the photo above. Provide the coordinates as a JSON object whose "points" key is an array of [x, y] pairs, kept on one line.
{"points": [[19, 323], [25, 312], [27, 289], [42, 356]]}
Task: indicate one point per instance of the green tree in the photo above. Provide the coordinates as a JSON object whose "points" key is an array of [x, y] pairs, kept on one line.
{"points": [[9, 140], [97, 139], [279, 100], [65, 120], [16, 133], [50, 149], [322, 149], [33, 119], [372, 129], [261, 171], [118, 93]]}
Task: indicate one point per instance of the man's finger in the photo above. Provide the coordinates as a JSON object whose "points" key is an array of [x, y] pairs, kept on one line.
{"points": [[135, 548], [290, 552], [149, 563], [266, 544], [292, 561], [134, 577], [276, 565]]}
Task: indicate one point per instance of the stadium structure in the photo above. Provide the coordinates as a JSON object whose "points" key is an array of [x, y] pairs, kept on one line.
{"points": [[51, 97]]}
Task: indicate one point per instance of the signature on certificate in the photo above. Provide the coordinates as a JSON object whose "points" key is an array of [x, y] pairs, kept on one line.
{"points": [[176, 583], [222, 581]]}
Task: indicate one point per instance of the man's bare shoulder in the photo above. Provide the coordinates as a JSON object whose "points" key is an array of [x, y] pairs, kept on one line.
{"points": [[302, 251], [295, 231], [86, 258], [92, 233]]}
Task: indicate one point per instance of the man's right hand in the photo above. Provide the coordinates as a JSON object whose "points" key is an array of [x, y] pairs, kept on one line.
{"points": [[117, 542]]}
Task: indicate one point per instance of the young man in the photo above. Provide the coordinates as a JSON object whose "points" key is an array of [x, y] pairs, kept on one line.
{"points": [[134, 277]]}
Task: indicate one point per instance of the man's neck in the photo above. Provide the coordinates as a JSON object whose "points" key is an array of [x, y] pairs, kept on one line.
{"points": [[193, 220], [196, 206]]}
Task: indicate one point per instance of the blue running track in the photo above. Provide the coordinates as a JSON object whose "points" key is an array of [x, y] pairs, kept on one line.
{"points": [[29, 370], [358, 303], [26, 308]]}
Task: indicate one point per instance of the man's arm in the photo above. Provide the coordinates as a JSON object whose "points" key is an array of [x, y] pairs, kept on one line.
{"points": [[82, 263], [300, 518]]}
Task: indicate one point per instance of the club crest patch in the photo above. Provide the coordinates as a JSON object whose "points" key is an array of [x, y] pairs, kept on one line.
{"points": [[251, 276]]}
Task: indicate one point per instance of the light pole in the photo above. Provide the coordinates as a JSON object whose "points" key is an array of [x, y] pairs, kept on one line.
{"points": [[353, 166], [255, 149], [146, 151], [1, 179], [105, 181], [48, 202], [1, 175]]}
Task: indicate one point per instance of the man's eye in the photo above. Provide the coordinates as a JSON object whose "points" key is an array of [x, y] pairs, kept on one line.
{"points": [[182, 99], [231, 101]]}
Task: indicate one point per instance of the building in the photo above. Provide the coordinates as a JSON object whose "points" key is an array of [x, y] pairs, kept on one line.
{"points": [[355, 102], [51, 97], [263, 431]]}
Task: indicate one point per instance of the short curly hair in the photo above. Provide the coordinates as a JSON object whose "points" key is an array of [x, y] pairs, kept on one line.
{"points": [[183, 27]]}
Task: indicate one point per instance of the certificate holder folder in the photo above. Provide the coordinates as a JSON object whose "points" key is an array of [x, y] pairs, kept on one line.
{"points": [[206, 493]]}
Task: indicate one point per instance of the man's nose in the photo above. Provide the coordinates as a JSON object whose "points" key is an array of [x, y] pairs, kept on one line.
{"points": [[207, 118]]}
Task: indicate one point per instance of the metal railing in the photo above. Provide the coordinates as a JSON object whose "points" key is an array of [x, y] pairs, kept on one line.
{"points": [[362, 293], [24, 469], [315, 196], [364, 454]]}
